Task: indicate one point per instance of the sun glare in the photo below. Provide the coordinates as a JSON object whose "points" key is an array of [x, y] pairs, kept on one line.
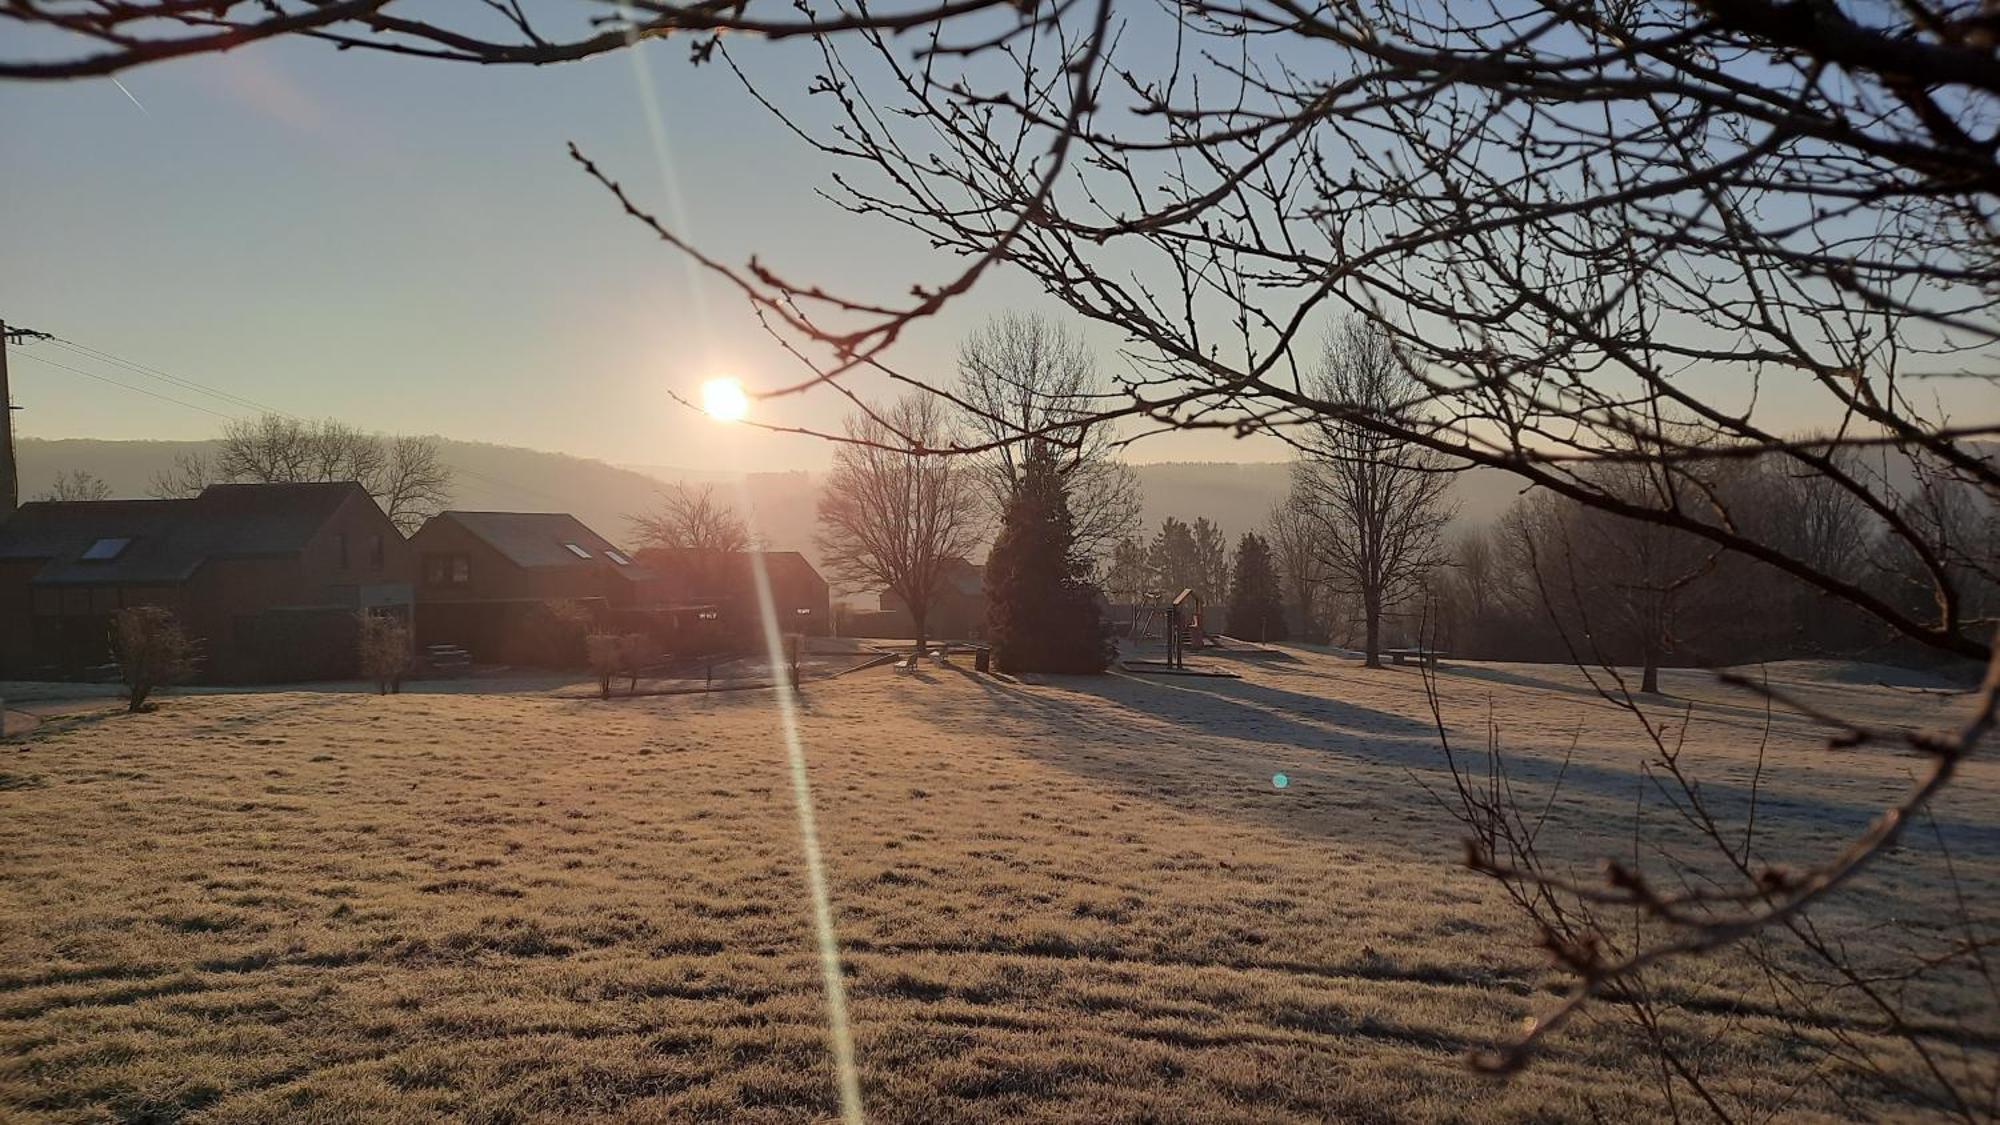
{"points": [[725, 400]]}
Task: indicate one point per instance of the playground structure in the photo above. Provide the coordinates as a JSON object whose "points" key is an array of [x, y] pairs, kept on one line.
{"points": [[1178, 621]]}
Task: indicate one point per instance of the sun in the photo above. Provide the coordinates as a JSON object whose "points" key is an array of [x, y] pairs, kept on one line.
{"points": [[725, 400]]}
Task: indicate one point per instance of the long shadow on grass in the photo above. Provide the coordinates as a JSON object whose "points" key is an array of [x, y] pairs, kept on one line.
{"points": [[1244, 710], [1737, 710]]}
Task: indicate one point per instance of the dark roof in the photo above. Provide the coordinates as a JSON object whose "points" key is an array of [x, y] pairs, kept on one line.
{"points": [[965, 576], [170, 539], [536, 539], [786, 569]]}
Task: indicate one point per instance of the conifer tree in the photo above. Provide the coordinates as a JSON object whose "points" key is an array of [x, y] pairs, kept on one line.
{"points": [[1256, 605], [1042, 614]]}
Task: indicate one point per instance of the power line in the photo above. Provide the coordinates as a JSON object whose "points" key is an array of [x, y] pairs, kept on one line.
{"points": [[225, 396], [154, 372], [25, 354]]}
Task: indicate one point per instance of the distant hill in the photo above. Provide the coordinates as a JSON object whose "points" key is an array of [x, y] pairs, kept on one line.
{"points": [[1237, 496]]}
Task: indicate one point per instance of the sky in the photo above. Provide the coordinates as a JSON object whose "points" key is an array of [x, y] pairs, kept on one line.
{"points": [[406, 246]]}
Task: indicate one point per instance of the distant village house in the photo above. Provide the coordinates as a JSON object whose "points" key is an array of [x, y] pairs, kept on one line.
{"points": [[726, 581], [267, 577]]}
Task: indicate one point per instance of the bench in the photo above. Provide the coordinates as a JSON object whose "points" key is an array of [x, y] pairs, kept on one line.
{"points": [[447, 660], [1428, 657]]}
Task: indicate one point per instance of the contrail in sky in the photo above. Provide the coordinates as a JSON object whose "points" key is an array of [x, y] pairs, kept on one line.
{"points": [[128, 94]]}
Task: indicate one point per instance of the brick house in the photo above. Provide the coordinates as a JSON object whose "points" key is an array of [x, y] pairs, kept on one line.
{"points": [[487, 578], [725, 583], [267, 577]]}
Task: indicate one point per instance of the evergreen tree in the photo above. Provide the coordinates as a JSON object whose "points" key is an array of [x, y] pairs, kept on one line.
{"points": [[1173, 557], [1041, 611], [1130, 574], [1256, 604], [1211, 560]]}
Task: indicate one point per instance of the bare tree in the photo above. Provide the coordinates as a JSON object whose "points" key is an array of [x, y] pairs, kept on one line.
{"points": [[690, 517], [190, 473], [414, 483], [1376, 501], [1022, 374], [1961, 525], [79, 485], [275, 448], [1472, 591], [1300, 571], [1613, 578], [892, 515], [1851, 998], [406, 475]]}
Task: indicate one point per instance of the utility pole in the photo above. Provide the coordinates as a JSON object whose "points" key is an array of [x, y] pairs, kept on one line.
{"points": [[10, 474]]}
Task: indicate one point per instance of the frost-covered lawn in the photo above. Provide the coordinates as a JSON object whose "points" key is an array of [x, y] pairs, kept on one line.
{"points": [[1081, 900]]}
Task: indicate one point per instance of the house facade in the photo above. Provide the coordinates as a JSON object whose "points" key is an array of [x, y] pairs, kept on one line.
{"points": [[957, 612], [725, 583], [488, 582], [266, 578]]}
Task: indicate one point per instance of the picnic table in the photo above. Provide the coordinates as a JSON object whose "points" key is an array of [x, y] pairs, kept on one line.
{"points": [[1429, 657]]}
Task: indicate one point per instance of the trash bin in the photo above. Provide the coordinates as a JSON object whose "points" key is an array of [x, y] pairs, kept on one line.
{"points": [[982, 661]]}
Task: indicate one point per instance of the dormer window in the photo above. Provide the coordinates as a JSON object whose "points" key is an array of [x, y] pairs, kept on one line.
{"points": [[104, 550], [579, 552], [618, 557]]}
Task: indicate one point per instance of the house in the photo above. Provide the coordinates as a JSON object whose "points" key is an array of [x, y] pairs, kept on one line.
{"points": [[266, 577], [487, 581], [957, 612], [726, 581]]}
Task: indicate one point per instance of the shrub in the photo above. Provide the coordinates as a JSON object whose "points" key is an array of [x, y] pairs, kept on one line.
{"points": [[386, 650], [615, 654], [152, 649], [551, 635]]}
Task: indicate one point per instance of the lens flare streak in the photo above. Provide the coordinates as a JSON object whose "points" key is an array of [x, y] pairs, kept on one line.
{"points": [[838, 1034]]}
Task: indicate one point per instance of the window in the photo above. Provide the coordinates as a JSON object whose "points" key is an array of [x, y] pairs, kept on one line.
{"points": [[447, 570], [375, 556], [579, 552], [104, 550], [618, 557]]}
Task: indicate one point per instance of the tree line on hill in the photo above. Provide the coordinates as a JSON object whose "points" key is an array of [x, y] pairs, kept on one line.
{"points": [[1358, 553], [406, 474]]}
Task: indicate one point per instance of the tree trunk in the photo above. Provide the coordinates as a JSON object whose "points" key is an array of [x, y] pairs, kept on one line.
{"points": [[1649, 676], [1372, 642], [917, 616], [137, 700]]}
